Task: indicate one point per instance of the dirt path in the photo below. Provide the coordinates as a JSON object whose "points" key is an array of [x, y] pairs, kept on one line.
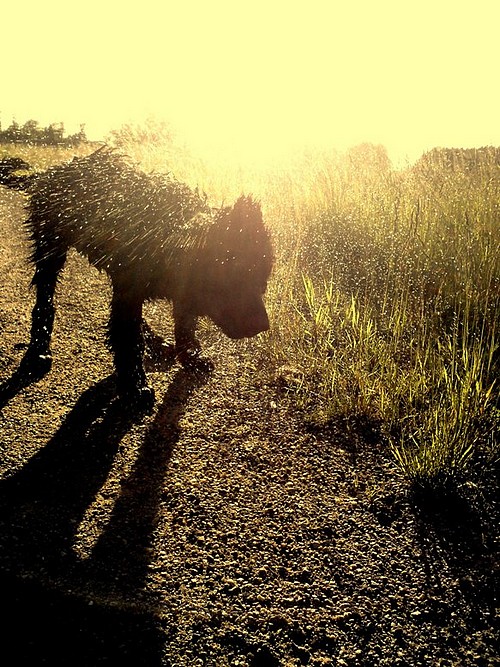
{"points": [[216, 531]]}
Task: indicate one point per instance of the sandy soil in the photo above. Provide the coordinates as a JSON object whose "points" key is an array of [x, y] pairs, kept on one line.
{"points": [[218, 530]]}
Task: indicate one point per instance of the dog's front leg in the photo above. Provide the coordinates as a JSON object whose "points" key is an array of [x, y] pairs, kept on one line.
{"points": [[127, 344], [38, 358], [185, 327], [187, 347]]}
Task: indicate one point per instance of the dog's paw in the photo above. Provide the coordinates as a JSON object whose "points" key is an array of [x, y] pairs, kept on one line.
{"points": [[35, 365]]}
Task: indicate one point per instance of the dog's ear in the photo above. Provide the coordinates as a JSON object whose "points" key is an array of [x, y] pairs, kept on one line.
{"points": [[240, 235], [245, 213], [248, 236]]}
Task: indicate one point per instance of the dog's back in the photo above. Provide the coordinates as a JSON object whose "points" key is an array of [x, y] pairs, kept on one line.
{"points": [[116, 215]]}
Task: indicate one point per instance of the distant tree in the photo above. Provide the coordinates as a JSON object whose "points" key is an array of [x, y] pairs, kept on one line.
{"points": [[54, 134], [79, 137], [12, 133], [30, 132], [82, 135]]}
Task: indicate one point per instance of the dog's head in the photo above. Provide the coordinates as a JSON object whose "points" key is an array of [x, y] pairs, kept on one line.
{"points": [[238, 259]]}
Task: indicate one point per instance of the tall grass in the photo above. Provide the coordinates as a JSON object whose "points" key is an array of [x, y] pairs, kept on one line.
{"points": [[397, 319]]}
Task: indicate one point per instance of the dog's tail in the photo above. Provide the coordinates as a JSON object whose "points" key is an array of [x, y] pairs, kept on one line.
{"points": [[11, 173]]}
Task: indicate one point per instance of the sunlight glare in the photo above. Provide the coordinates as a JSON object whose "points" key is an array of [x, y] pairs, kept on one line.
{"points": [[255, 81]]}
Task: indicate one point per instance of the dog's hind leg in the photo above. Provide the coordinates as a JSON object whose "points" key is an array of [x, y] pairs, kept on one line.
{"points": [[126, 340], [38, 358]]}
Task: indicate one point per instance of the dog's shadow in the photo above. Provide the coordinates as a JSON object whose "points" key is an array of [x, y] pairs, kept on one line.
{"points": [[42, 505], [19, 380]]}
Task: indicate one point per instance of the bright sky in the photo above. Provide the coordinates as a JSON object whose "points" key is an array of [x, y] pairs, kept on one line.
{"points": [[255, 78]]}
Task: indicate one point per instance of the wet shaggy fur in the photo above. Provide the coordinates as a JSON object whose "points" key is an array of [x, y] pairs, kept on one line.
{"points": [[156, 238]]}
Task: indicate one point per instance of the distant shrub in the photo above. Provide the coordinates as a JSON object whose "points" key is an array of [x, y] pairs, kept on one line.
{"points": [[31, 133]]}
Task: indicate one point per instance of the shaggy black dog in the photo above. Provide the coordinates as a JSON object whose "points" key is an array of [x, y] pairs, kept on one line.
{"points": [[156, 238]]}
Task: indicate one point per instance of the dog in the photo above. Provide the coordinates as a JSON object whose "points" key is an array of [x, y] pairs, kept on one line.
{"points": [[157, 239]]}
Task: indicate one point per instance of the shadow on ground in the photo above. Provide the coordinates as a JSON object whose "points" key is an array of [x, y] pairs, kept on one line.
{"points": [[46, 627], [41, 508]]}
